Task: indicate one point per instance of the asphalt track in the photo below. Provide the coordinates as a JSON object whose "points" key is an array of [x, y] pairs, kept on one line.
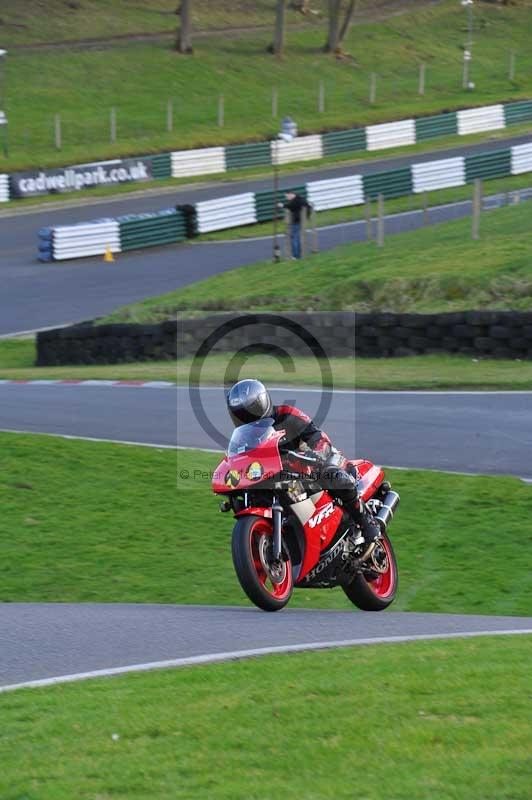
{"points": [[485, 432], [52, 643], [38, 295]]}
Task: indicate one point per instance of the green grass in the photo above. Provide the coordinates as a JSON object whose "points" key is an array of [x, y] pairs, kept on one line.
{"points": [[88, 521], [17, 357], [435, 269], [138, 80], [447, 720]]}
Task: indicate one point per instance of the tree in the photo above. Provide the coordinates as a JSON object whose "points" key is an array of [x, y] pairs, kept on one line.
{"points": [[277, 48], [337, 28], [184, 34]]}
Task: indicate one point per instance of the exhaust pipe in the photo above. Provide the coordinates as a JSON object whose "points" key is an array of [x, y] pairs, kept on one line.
{"points": [[386, 511]]}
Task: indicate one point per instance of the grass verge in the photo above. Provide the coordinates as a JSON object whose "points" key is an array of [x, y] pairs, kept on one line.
{"points": [[83, 85], [408, 722], [87, 521], [434, 269], [17, 358]]}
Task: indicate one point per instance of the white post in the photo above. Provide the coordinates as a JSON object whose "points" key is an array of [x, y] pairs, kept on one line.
{"points": [[275, 102], [221, 111], [321, 98]]}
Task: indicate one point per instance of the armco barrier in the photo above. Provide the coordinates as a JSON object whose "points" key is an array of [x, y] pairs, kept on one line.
{"points": [[304, 148], [4, 188], [392, 134], [75, 241], [499, 334], [226, 212], [438, 174], [149, 230], [208, 161], [477, 120], [521, 158], [247, 208], [336, 193]]}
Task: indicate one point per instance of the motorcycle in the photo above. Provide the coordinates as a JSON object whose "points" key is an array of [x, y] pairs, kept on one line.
{"points": [[291, 533]]}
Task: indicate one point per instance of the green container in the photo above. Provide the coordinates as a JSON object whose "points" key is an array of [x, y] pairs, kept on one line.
{"points": [[433, 127], [264, 202], [514, 113], [394, 183], [344, 141], [238, 156], [161, 166], [488, 165]]}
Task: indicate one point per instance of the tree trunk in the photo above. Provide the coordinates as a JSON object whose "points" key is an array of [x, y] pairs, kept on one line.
{"points": [[184, 34], [334, 26], [347, 22], [278, 39], [338, 32]]}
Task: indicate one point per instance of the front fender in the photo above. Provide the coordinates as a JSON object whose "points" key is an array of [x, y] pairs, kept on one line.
{"points": [[254, 511]]}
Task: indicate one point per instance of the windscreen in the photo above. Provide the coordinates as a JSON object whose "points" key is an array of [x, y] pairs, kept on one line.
{"points": [[248, 437]]}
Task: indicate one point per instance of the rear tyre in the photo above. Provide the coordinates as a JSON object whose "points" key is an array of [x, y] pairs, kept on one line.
{"points": [[377, 594], [268, 585]]}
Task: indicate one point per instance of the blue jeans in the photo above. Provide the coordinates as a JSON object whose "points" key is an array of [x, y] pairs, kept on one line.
{"points": [[295, 238]]}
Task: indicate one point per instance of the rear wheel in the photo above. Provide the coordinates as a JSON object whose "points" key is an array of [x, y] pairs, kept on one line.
{"points": [[376, 593], [268, 584]]}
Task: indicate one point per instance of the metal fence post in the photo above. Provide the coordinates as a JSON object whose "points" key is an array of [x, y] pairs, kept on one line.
{"points": [[287, 234], [57, 131], [425, 208], [421, 84], [321, 98], [511, 70], [221, 111], [169, 116], [373, 88], [303, 232], [367, 210], [477, 201], [380, 220], [315, 248], [113, 124], [275, 103]]}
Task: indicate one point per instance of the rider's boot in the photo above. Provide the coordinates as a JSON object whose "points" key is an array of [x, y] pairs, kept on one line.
{"points": [[368, 524]]}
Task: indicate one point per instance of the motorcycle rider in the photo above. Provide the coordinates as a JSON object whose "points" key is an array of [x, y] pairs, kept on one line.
{"points": [[249, 400]]}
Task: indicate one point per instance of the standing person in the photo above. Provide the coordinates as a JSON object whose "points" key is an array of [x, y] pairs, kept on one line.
{"points": [[295, 205]]}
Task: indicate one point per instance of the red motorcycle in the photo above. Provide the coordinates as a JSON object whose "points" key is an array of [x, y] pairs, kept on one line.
{"points": [[289, 532]]}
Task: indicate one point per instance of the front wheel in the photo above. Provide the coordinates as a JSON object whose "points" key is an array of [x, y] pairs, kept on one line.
{"points": [[267, 584], [379, 593]]}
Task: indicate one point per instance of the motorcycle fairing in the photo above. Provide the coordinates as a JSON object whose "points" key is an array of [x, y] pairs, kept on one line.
{"points": [[266, 455]]}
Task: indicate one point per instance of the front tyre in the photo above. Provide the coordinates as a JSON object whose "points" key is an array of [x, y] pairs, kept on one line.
{"points": [[379, 593], [268, 585]]}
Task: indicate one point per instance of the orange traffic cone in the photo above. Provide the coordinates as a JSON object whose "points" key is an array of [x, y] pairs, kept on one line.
{"points": [[108, 255]]}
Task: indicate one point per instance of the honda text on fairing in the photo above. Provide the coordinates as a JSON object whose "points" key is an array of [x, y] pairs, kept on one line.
{"points": [[290, 532]]}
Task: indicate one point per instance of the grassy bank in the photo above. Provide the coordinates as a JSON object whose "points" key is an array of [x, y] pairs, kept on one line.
{"points": [[84, 85], [433, 269], [17, 358], [438, 719], [85, 521]]}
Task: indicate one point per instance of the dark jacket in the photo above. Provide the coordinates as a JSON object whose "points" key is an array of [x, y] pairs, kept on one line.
{"points": [[295, 207], [300, 428]]}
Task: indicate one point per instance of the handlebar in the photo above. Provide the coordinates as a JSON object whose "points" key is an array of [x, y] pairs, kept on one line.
{"points": [[310, 460]]}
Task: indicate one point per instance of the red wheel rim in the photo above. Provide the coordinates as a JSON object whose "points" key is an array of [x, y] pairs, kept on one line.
{"points": [[260, 535], [384, 584]]}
